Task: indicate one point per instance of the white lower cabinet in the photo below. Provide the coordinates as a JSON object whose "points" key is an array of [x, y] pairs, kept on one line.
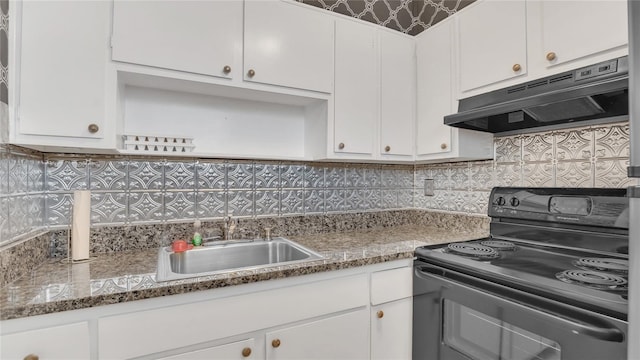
{"points": [[244, 349], [343, 336], [391, 329], [392, 313], [318, 316], [57, 342]]}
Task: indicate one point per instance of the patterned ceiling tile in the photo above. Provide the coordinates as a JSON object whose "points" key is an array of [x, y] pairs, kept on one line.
{"points": [[407, 16]]}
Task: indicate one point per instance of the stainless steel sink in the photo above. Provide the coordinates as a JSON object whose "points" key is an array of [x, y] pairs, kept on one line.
{"points": [[227, 256]]}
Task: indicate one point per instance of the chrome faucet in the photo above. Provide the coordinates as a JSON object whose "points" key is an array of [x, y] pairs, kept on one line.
{"points": [[229, 227]]}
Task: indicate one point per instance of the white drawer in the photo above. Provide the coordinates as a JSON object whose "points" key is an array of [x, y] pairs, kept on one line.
{"points": [[391, 285], [146, 332]]}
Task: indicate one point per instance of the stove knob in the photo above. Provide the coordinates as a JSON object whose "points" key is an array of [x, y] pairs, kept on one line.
{"points": [[514, 202], [500, 201]]}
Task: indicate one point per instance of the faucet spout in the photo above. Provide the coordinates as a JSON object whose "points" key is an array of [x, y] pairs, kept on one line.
{"points": [[229, 227]]}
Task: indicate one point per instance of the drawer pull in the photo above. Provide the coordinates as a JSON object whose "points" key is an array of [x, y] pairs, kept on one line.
{"points": [[443, 146], [226, 69], [31, 357], [380, 314], [251, 73], [551, 56], [516, 67], [387, 148], [341, 146], [275, 343], [246, 352], [93, 128]]}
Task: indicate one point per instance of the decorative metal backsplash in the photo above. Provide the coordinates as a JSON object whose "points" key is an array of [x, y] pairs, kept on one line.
{"points": [[407, 16], [595, 156], [36, 194]]}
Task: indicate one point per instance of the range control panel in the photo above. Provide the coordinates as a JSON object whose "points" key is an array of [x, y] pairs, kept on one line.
{"points": [[591, 206]]}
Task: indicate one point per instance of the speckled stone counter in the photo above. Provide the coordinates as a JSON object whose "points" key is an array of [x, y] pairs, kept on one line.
{"points": [[126, 276]]}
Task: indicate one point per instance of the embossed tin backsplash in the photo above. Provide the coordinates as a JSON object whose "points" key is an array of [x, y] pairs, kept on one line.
{"points": [[595, 156], [36, 190]]}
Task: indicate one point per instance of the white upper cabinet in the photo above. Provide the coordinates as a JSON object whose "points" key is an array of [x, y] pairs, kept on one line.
{"points": [[503, 43], [492, 43], [63, 58], [374, 95], [356, 89], [435, 74], [398, 94], [572, 30], [288, 45], [434, 94], [192, 36]]}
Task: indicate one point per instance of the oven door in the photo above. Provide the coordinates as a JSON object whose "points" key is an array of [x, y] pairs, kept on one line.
{"points": [[457, 316]]}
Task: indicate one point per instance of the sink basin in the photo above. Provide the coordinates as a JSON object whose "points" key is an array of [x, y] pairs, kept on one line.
{"points": [[230, 256]]}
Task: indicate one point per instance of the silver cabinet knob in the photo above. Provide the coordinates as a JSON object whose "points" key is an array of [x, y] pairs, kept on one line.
{"points": [[93, 128], [341, 146], [251, 73], [443, 146], [226, 69]]}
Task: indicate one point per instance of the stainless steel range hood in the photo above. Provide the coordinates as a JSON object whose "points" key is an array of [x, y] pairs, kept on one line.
{"points": [[593, 94]]}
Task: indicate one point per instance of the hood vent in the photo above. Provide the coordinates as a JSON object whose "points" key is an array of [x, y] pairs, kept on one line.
{"points": [[593, 94]]}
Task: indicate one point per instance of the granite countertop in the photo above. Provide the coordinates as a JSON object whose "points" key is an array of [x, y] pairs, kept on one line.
{"points": [[126, 276]]}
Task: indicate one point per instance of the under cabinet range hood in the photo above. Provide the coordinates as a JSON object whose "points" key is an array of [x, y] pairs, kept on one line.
{"points": [[592, 94]]}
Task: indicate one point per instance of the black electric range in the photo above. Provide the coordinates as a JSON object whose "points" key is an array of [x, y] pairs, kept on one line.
{"points": [[559, 254]]}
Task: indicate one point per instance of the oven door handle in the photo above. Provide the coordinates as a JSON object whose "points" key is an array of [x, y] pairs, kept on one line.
{"points": [[585, 325]]}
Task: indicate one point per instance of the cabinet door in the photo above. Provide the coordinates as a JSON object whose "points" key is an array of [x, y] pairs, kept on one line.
{"points": [[397, 100], [339, 337], [63, 58], [238, 350], [288, 45], [194, 36], [434, 90], [60, 342], [391, 330], [595, 26], [356, 91], [491, 42]]}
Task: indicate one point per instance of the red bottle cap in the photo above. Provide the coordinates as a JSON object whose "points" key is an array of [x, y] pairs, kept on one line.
{"points": [[179, 246]]}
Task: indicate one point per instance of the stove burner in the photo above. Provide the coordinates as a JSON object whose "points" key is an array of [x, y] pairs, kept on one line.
{"points": [[473, 250], [499, 245], [616, 266], [592, 279]]}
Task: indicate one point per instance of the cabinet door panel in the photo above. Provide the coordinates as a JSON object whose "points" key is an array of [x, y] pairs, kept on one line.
{"points": [[226, 351], [339, 337], [60, 342], [595, 26], [63, 57], [288, 45], [356, 90], [434, 90], [397, 100], [391, 334], [491, 39], [193, 36]]}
